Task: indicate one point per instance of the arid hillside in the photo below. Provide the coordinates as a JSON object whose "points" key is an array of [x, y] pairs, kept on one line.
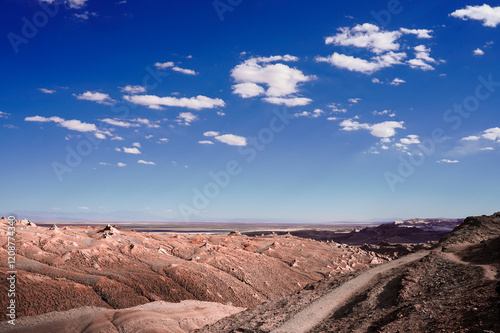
{"points": [[69, 267], [455, 290]]}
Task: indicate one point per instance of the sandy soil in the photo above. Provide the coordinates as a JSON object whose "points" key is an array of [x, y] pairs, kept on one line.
{"points": [[164, 317]]}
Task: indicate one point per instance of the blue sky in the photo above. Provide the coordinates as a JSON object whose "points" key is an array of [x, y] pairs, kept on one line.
{"points": [[249, 110]]}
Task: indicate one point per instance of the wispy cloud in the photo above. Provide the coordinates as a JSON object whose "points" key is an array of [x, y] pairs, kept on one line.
{"points": [[447, 161], [74, 124], [95, 96], [132, 90], [155, 102], [184, 70], [186, 118], [384, 129], [146, 162], [46, 91]]}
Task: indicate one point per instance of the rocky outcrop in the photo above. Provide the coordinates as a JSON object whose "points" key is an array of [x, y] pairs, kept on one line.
{"points": [[474, 230]]}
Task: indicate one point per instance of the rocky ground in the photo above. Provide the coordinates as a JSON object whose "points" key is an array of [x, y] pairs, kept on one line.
{"points": [[90, 279], [455, 290], [65, 268]]}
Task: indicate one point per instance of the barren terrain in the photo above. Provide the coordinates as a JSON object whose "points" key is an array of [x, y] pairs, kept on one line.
{"points": [[454, 288], [109, 279], [64, 268]]}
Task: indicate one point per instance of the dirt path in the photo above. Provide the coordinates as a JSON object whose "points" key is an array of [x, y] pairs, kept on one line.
{"points": [[320, 309], [489, 271]]}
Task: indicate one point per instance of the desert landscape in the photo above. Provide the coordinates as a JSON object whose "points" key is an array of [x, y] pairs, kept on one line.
{"points": [[259, 166], [112, 279]]}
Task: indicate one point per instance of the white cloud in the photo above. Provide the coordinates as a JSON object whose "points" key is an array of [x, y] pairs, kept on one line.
{"points": [[410, 139], [471, 138], [286, 57], [354, 100], [232, 140], [419, 63], [133, 89], [290, 102], [445, 160], [146, 122], [130, 123], [254, 75], [74, 124], [489, 15], [146, 162], [116, 137], [85, 15], [422, 59], [136, 144], [104, 163], [492, 134], [148, 136], [478, 52], [184, 71], [84, 208], [134, 150], [361, 65], [488, 148], [382, 43], [375, 80], [118, 149], [155, 102], [367, 36], [164, 64], [206, 142], [116, 122], [248, 89], [350, 125], [336, 108], [420, 33], [95, 96], [46, 91], [121, 165], [100, 135], [186, 118], [350, 63], [314, 114], [211, 133], [5, 114], [162, 140], [171, 64], [74, 4], [397, 82], [385, 112], [385, 129]]}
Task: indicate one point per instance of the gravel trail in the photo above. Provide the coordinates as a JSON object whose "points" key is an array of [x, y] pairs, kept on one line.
{"points": [[320, 309]]}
